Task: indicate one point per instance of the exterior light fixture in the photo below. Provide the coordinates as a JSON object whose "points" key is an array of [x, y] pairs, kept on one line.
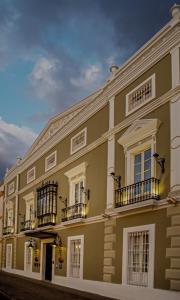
{"points": [[32, 244], [160, 161], [117, 179], [86, 192], [54, 244]]}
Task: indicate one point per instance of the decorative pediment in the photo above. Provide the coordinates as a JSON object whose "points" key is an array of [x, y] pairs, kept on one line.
{"points": [[139, 130]]}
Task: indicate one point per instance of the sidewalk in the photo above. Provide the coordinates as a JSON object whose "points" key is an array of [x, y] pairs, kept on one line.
{"points": [[16, 287]]}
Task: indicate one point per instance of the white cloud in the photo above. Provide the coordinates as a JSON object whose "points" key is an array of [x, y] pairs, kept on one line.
{"points": [[89, 77], [14, 142], [43, 77]]}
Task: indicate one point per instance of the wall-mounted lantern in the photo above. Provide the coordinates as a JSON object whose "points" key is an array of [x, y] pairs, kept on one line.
{"points": [[117, 179], [160, 161]]}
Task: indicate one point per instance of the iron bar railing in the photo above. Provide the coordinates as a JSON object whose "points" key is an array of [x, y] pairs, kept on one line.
{"points": [[137, 192], [27, 225], [8, 230], [75, 211]]}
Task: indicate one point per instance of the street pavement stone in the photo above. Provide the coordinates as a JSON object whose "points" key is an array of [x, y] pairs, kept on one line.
{"points": [[17, 287]]}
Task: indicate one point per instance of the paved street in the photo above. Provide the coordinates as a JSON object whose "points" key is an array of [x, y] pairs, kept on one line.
{"points": [[16, 287]]}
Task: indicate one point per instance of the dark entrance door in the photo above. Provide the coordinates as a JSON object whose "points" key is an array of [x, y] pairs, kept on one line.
{"points": [[48, 269]]}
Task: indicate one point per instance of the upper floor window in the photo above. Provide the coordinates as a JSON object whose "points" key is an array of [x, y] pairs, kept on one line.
{"points": [[79, 140], [140, 95], [31, 175], [50, 161], [11, 188]]}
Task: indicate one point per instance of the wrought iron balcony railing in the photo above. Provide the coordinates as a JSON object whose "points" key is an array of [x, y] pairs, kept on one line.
{"points": [[27, 225], [47, 219], [75, 211], [137, 192], [8, 230]]}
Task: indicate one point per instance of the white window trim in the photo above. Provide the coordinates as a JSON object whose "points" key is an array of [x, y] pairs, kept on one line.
{"points": [[151, 143], [72, 238], [11, 188], [152, 77], [32, 178], [47, 168], [74, 176], [29, 198], [151, 229], [25, 257], [83, 145], [10, 246]]}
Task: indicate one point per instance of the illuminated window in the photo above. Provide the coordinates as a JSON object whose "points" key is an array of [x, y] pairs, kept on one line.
{"points": [[75, 256]]}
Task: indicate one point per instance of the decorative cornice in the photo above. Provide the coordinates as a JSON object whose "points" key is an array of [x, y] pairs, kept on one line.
{"points": [[127, 122], [153, 51]]}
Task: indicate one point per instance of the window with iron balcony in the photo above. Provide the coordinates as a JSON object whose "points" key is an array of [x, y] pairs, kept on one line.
{"points": [[47, 204]]}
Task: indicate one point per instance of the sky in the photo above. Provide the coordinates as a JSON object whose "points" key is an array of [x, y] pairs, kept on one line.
{"points": [[56, 52]]}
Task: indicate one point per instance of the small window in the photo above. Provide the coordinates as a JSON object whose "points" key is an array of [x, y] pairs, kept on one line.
{"points": [[11, 188], [31, 175], [79, 141], [9, 256], [140, 95], [50, 161]]}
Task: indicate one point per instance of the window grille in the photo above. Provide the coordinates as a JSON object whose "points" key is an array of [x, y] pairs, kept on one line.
{"points": [[78, 141], [47, 203], [138, 258], [75, 258], [31, 175], [140, 95], [11, 188], [50, 161]]}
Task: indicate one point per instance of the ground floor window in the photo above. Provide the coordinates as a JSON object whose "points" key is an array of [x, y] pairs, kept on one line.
{"points": [[138, 255], [9, 256], [27, 258], [75, 256]]}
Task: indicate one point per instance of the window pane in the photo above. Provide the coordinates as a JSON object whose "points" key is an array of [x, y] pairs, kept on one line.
{"points": [[147, 154], [147, 165], [137, 158]]}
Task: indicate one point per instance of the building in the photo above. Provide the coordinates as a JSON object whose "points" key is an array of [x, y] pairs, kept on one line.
{"points": [[1, 219], [95, 203]]}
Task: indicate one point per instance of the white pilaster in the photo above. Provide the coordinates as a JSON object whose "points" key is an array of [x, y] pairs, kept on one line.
{"points": [[16, 205], [110, 157], [175, 122]]}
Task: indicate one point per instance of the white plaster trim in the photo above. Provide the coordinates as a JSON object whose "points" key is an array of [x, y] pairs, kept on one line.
{"points": [[33, 177], [29, 196], [153, 87], [111, 113], [80, 169], [49, 167], [81, 146], [138, 131], [73, 238], [151, 229], [148, 55], [126, 122], [74, 221], [115, 291]]}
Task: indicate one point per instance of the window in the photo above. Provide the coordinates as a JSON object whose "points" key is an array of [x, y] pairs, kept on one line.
{"points": [[27, 258], [47, 203], [9, 256], [11, 188], [77, 178], [31, 175], [138, 255], [140, 95], [10, 221], [75, 256], [50, 161], [79, 141]]}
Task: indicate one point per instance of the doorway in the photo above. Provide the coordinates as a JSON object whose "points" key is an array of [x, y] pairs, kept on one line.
{"points": [[48, 260]]}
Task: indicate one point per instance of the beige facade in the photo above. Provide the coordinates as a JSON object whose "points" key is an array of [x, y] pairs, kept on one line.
{"points": [[90, 205]]}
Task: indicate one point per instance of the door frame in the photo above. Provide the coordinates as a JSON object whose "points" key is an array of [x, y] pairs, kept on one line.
{"points": [[25, 256], [43, 258]]}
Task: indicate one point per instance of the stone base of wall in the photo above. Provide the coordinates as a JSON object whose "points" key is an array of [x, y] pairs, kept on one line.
{"points": [[109, 249], [173, 253]]}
